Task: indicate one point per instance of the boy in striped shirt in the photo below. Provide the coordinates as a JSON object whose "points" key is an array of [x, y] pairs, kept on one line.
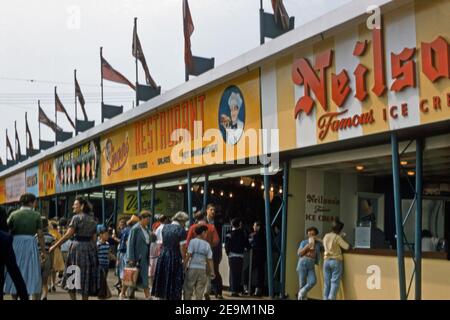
{"points": [[104, 255]]}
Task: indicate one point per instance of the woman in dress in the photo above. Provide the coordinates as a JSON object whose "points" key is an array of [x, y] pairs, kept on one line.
{"points": [[138, 248], [169, 275], [82, 256]]}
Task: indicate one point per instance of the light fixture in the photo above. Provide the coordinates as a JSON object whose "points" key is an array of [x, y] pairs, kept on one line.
{"points": [[262, 187], [192, 188], [231, 195], [403, 163], [359, 168], [212, 191], [271, 189], [253, 184], [242, 181], [201, 191], [410, 173], [180, 188], [280, 191], [221, 193]]}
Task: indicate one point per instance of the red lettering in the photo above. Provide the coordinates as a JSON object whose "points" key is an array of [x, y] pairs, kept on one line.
{"points": [[423, 106], [448, 99], [384, 114], [435, 59], [201, 100], [403, 66], [137, 142], [142, 137], [306, 75], [404, 109], [162, 129], [361, 91], [436, 103], [360, 48], [393, 112], [378, 62]]}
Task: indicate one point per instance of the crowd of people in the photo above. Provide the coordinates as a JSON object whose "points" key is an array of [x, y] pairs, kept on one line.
{"points": [[166, 260]]}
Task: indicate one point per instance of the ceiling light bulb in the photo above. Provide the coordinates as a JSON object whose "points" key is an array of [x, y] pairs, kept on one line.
{"points": [[360, 168], [242, 181], [253, 183]]}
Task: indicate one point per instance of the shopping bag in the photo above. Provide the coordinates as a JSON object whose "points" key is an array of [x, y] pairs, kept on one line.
{"points": [[130, 276]]}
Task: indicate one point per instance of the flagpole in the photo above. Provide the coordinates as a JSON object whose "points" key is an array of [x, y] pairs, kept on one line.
{"points": [[75, 79], [15, 138], [261, 23], [6, 149], [56, 121], [26, 136], [136, 59], [101, 73]]}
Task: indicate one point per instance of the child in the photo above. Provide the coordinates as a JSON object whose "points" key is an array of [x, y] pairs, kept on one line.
{"points": [[47, 264], [104, 256], [58, 260], [199, 254]]}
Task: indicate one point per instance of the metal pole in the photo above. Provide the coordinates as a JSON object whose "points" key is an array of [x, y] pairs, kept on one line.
{"points": [[284, 229], [56, 205], [398, 215], [205, 192], [116, 203], [75, 79], [261, 23], [101, 81], [268, 232], [189, 198], [39, 124], [56, 122], [103, 206], [418, 240], [139, 202], [136, 60]]}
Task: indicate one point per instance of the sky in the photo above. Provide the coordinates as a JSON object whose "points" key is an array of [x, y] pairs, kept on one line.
{"points": [[42, 42]]}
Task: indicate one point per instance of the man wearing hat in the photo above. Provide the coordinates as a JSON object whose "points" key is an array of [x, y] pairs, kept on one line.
{"points": [[234, 127]]}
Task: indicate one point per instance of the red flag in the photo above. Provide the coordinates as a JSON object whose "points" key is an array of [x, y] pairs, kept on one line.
{"points": [[188, 27], [138, 53], [9, 146], [27, 129], [60, 108], [80, 97], [45, 120], [280, 14], [109, 73]]}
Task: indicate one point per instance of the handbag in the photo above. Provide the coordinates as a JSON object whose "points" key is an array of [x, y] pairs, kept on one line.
{"points": [[130, 276]]}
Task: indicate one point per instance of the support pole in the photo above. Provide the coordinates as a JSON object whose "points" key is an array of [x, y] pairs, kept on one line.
{"points": [[205, 192], [103, 206], [261, 23], [56, 205], [152, 201], [116, 205], [284, 229], [189, 198], [139, 199], [268, 232], [418, 240], [398, 215]]}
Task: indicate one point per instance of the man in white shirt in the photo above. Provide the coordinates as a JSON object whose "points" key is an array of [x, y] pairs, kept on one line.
{"points": [[234, 127]]}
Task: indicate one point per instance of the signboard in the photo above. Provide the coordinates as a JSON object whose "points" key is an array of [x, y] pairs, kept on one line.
{"points": [[79, 168], [2, 191], [360, 81], [166, 202], [209, 128], [47, 178], [32, 180], [15, 187]]}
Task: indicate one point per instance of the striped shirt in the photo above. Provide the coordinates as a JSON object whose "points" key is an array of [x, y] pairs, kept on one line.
{"points": [[103, 254]]}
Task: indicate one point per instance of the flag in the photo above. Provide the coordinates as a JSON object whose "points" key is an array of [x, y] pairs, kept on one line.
{"points": [[17, 144], [80, 97], [138, 53], [9, 146], [109, 73], [28, 132], [188, 27], [280, 14], [60, 108], [45, 120]]}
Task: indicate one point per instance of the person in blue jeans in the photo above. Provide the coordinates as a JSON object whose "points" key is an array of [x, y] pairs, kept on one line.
{"points": [[333, 244], [309, 256]]}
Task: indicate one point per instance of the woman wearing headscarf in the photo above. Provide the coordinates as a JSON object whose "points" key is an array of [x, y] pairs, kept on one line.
{"points": [[82, 273], [169, 274]]}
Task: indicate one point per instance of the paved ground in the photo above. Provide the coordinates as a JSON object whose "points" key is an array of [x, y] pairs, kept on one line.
{"points": [[61, 294]]}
